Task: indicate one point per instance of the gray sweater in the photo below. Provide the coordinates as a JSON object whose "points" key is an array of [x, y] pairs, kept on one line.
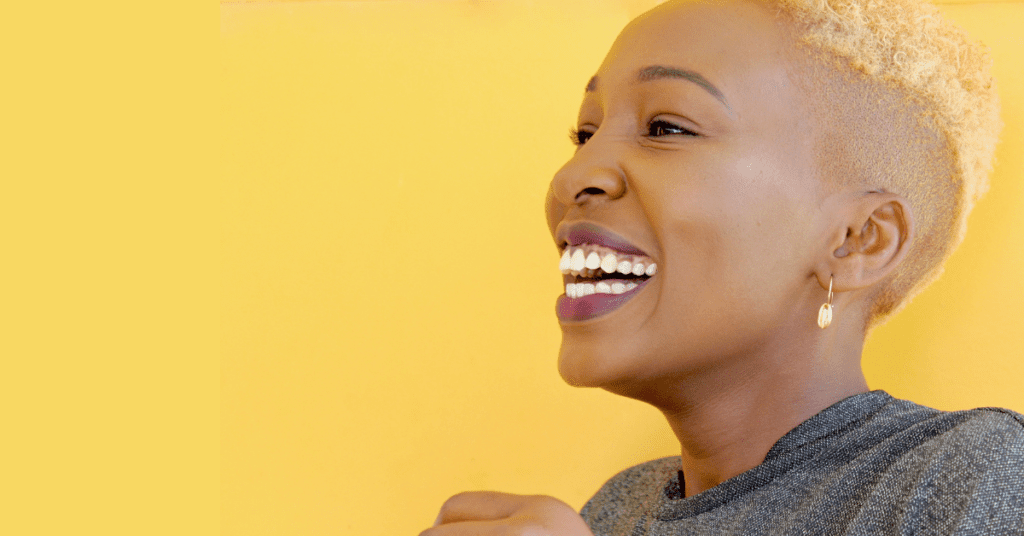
{"points": [[869, 464]]}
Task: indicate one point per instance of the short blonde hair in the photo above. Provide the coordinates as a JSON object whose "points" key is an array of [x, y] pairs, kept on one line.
{"points": [[907, 46]]}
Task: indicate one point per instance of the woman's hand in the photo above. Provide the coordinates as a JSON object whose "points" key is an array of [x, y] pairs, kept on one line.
{"points": [[480, 513]]}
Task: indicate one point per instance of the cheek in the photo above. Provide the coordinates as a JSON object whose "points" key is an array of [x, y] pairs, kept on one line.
{"points": [[733, 230], [767, 251]]}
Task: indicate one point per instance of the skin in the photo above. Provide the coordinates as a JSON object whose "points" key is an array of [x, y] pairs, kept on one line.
{"points": [[728, 199]]}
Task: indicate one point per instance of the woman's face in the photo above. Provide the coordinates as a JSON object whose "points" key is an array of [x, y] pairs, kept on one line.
{"points": [[695, 151]]}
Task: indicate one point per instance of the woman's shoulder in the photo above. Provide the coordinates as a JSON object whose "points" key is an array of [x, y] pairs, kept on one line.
{"points": [[1000, 418], [905, 441], [981, 438], [968, 465], [650, 472], [621, 497], [996, 432]]}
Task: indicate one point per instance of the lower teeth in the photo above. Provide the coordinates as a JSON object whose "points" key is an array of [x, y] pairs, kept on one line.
{"points": [[613, 286]]}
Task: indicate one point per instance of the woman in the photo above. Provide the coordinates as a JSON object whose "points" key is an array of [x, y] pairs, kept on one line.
{"points": [[756, 186]]}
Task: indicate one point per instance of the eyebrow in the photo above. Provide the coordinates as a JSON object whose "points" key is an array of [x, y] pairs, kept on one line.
{"points": [[660, 72]]}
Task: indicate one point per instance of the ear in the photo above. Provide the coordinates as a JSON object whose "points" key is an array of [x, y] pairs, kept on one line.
{"points": [[875, 233]]}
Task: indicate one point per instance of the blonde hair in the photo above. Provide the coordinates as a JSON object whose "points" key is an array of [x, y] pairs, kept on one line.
{"points": [[943, 76]]}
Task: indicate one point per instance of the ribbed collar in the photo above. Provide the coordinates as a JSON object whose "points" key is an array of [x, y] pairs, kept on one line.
{"points": [[797, 446]]}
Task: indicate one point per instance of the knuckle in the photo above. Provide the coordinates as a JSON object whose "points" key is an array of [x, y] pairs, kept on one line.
{"points": [[455, 504], [455, 500]]}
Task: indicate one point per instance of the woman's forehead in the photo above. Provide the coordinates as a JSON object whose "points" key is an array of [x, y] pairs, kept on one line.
{"points": [[722, 43], [738, 52]]}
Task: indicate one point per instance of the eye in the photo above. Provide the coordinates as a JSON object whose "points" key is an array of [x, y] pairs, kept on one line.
{"points": [[579, 137], [660, 127]]}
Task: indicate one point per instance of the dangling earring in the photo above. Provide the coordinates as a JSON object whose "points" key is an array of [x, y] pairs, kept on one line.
{"points": [[825, 313]]}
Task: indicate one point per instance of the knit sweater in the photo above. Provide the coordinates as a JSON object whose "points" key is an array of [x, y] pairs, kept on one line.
{"points": [[869, 464]]}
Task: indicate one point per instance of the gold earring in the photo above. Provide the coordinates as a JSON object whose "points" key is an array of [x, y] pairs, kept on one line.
{"points": [[825, 313]]}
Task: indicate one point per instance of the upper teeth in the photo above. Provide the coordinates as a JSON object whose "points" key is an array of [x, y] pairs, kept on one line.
{"points": [[590, 260]]}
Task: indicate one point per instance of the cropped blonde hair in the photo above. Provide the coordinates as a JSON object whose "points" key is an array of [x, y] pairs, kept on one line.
{"points": [[906, 46]]}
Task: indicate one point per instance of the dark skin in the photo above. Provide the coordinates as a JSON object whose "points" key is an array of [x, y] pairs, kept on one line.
{"points": [[717, 182]]}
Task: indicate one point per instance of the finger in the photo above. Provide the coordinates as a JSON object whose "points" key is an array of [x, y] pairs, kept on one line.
{"points": [[471, 528], [479, 506]]}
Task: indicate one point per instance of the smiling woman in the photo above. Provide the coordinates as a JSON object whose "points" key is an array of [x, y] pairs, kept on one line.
{"points": [[711, 167], [393, 313]]}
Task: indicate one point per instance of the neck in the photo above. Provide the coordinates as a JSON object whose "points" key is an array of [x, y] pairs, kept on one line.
{"points": [[729, 416]]}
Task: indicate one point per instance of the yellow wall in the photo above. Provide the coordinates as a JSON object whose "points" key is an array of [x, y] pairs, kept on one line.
{"points": [[109, 282], [389, 283]]}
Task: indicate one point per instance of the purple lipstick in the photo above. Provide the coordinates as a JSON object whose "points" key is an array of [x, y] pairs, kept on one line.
{"points": [[601, 271]]}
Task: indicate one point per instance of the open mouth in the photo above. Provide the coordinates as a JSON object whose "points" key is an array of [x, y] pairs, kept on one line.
{"points": [[593, 269], [599, 279]]}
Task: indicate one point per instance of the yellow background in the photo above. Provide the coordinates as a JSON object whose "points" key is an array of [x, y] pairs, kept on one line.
{"points": [[109, 278], [389, 283]]}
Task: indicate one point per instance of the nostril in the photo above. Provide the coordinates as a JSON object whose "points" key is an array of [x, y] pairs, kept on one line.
{"points": [[587, 192]]}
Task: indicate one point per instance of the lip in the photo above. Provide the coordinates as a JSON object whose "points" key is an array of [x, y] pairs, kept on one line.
{"points": [[591, 233], [592, 306]]}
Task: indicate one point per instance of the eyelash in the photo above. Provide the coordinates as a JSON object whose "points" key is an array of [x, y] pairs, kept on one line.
{"points": [[579, 137]]}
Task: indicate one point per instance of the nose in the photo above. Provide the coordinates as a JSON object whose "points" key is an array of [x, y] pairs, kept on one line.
{"points": [[594, 172]]}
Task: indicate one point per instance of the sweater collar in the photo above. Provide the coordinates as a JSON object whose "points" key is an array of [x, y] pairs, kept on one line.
{"points": [[798, 445]]}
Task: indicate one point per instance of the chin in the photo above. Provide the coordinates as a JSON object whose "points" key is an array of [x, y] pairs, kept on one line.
{"points": [[576, 375], [592, 365]]}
